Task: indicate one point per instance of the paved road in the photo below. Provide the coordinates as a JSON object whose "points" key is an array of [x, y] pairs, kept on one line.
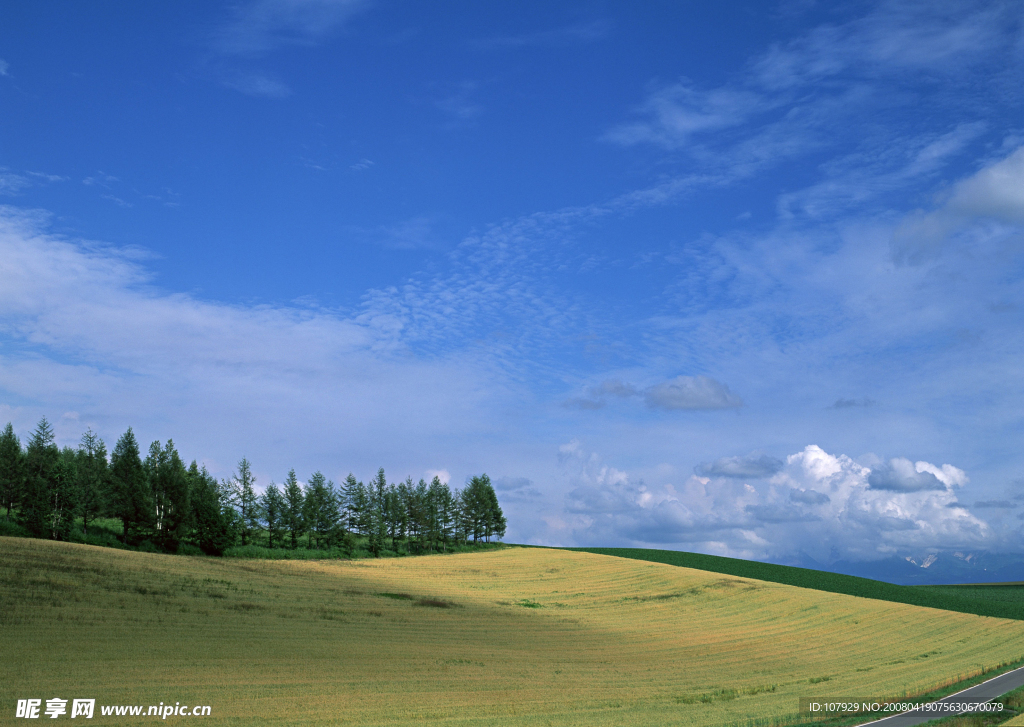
{"points": [[981, 693]]}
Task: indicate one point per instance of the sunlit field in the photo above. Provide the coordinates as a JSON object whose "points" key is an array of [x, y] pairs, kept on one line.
{"points": [[517, 636]]}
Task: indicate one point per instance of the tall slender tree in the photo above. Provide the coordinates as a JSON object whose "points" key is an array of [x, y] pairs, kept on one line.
{"points": [[211, 514], [12, 478], [321, 510], [294, 505], [41, 457], [63, 495], [169, 490], [129, 498], [272, 512], [377, 521], [244, 499], [93, 477]]}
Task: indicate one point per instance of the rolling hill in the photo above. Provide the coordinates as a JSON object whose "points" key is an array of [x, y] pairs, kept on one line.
{"points": [[522, 635]]}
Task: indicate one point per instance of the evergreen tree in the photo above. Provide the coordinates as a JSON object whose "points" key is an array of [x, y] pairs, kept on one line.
{"points": [[349, 497], [404, 508], [211, 514], [129, 498], [62, 495], [11, 469], [481, 513], [93, 477], [377, 522], [177, 513], [495, 523], [321, 511], [442, 509], [169, 492], [359, 506], [272, 512], [153, 467], [244, 499], [392, 514], [418, 515], [41, 457], [294, 505]]}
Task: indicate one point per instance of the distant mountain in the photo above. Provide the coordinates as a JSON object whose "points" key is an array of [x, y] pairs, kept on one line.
{"points": [[942, 568]]}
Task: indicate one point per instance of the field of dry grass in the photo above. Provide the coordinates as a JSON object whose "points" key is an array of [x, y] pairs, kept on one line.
{"points": [[518, 636]]}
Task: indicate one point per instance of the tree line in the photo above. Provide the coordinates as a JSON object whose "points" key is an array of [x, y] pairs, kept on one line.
{"points": [[160, 500]]}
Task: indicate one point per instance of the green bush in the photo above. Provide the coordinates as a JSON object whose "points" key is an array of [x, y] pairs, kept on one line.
{"points": [[11, 529]]}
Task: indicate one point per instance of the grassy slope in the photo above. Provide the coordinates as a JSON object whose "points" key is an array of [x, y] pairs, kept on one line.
{"points": [[1003, 601], [530, 637]]}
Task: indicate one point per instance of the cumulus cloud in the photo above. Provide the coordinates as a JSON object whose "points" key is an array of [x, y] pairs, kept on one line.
{"points": [[902, 475], [809, 497], [691, 392], [752, 466], [815, 502]]}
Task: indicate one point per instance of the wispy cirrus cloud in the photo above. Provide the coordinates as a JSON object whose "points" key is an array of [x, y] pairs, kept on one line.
{"points": [[687, 393], [259, 27], [994, 193], [264, 25], [788, 101], [11, 183], [588, 32], [88, 330], [257, 84]]}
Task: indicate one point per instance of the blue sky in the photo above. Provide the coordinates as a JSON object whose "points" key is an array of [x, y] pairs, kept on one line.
{"points": [[741, 278]]}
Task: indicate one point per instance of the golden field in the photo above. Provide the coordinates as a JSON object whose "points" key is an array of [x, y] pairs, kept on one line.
{"points": [[519, 636]]}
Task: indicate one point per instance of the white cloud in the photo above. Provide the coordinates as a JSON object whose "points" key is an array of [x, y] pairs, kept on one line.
{"points": [[4, 67], [680, 393], [816, 503], [678, 112], [691, 392], [415, 233], [995, 193], [750, 466], [11, 184], [86, 331], [894, 37], [264, 25], [901, 475], [569, 35], [444, 475], [257, 84]]}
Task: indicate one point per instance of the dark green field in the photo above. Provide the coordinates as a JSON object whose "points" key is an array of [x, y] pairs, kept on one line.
{"points": [[999, 600]]}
